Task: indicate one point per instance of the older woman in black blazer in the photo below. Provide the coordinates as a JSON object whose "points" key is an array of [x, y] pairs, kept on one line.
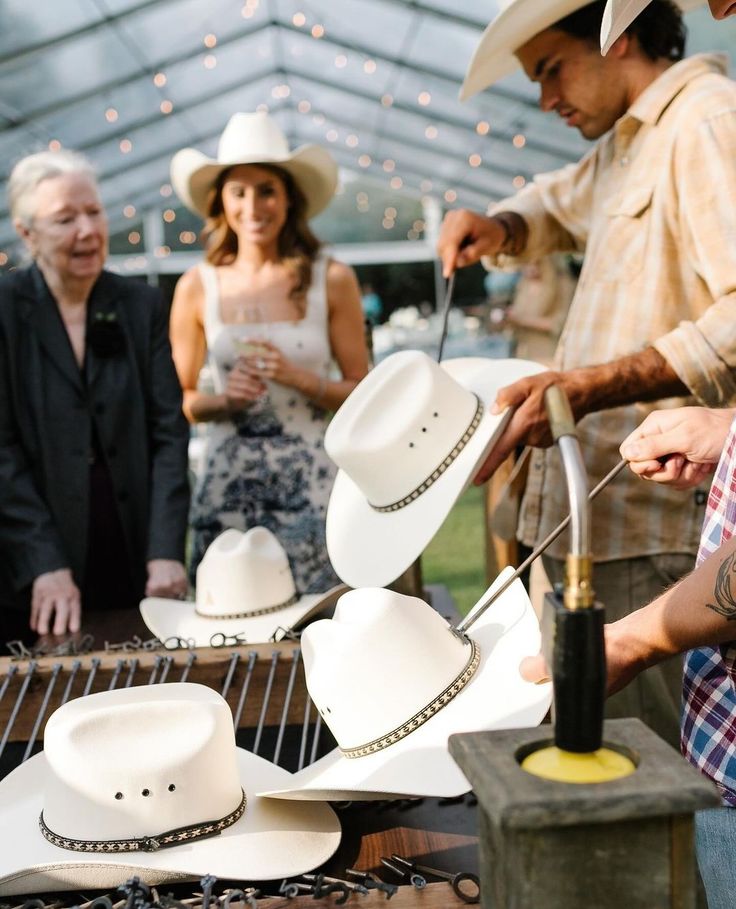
{"points": [[93, 443]]}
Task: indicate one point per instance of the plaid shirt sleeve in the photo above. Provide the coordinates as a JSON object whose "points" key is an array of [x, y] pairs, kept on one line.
{"points": [[709, 685]]}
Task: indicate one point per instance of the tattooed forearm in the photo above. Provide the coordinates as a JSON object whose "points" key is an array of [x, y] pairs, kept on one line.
{"points": [[725, 596]]}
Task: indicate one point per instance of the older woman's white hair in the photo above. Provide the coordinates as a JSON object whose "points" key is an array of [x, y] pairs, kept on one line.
{"points": [[32, 170]]}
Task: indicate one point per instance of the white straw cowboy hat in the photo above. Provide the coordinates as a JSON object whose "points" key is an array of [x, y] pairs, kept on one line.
{"points": [[244, 587], [254, 139], [408, 441], [148, 781], [619, 14], [393, 681], [517, 22]]}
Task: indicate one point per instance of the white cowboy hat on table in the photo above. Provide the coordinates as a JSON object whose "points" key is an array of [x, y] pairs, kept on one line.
{"points": [[408, 441], [254, 138], [619, 14], [244, 587], [393, 681], [518, 22], [125, 773]]}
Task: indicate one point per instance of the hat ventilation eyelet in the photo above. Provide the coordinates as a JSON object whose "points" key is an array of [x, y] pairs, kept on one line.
{"points": [[172, 787], [145, 793], [118, 796]]}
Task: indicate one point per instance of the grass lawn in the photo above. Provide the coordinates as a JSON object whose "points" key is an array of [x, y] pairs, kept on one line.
{"points": [[456, 556]]}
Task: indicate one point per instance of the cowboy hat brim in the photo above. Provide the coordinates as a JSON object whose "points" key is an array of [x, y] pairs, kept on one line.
{"points": [[267, 842], [174, 618], [619, 14], [420, 764], [193, 174], [494, 58], [369, 548]]}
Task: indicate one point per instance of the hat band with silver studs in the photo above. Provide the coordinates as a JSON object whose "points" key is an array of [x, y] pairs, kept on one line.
{"points": [[146, 843], [426, 713], [253, 613], [441, 468]]}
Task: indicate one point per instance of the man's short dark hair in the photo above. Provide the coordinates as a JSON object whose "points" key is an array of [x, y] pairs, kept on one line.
{"points": [[659, 29]]}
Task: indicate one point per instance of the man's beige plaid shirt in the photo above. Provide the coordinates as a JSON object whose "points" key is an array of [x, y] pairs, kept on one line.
{"points": [[653, 207]]}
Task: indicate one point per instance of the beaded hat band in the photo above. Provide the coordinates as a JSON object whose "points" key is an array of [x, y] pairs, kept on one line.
{"points": [[253, 613], [441, 467], [426, 713], [146, 843]]}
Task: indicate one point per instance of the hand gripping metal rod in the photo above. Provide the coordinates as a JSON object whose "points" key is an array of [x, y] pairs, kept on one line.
{"points": [[550, 538], [446, 314]]}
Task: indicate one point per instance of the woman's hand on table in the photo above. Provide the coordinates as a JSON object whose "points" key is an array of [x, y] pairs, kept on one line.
{"points": [[166, 578], [56, 605]]}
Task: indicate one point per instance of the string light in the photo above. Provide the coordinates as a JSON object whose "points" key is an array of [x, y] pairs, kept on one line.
{"points": [[129, 211], [475, 160], [431, 132], [187, 237], [450, 195], [166, 106], [162, 251], [365, 160], [370, 66], [210, 61], [166, 190], [299, 19], [352, 140], [519, 141], [3, 259], [54, 145], [482, 127], [518, 182], [388, 223], [387, 100], [332, 135], [424, 98], [134, 237], [318, 31], [210, 40], [169, 215], [126, 146], [389, 165], [159, 80], [111, 115], [341, 61], [304, 107], [395, 182], [390, 212]]}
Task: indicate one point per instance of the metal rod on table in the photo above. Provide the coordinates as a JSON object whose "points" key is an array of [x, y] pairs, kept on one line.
{"points": [[252, 657], [55, 670], [287, 701], [305, 733], [266, 699], [16, 708], [70, 682], [315, 740], [446, 314], [191, 659], [7, 680], [168, 662], [550, 538], [154, 671], [94, 665], [234, 660], [119, 665], [131, 672]]}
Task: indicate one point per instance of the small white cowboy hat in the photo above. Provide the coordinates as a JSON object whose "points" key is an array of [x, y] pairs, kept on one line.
{"points": [[245, 588], [254, 139], [517, 22], [408, 441], [619, 14], [149, 781], [393, 681]]}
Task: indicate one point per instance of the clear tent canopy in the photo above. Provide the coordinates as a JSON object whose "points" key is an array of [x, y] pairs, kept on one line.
{"points": [[129, 82]]}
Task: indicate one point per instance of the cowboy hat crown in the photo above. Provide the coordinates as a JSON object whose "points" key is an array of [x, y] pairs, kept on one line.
{"points": [[254, 138]]}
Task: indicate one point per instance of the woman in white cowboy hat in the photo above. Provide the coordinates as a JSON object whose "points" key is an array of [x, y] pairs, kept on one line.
{"points": [[272, 313]]}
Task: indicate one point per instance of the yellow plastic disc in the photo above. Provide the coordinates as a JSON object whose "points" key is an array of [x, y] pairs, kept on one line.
{"points": [[599, 766]]}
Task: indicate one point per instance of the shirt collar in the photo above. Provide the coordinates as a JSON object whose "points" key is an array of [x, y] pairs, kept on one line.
{"points": [[652, 102]]}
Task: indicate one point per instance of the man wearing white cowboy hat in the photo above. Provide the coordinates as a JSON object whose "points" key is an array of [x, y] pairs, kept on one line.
{"points": [[652, 314]]}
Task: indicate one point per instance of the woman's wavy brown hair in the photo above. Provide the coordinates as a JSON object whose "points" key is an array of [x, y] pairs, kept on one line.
{"points": [[298, 246]]}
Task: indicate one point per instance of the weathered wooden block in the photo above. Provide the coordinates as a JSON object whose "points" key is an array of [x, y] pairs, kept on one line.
{"points": [[626, 844]]}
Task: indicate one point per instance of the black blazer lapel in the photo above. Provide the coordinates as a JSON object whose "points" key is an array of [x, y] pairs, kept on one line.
{"points": [[102, 305], [43, 315]]}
